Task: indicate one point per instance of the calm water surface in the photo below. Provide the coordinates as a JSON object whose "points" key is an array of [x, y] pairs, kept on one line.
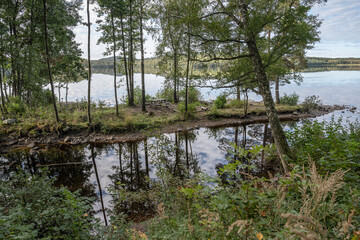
{"points": [[202, 149]]}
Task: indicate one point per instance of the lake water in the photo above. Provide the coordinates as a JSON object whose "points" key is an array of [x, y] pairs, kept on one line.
{"points": [[201, 149]]}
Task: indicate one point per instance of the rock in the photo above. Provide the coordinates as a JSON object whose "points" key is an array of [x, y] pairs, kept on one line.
{"points": [[204, 109], [342, 111], [112, 138], [13, 142], [67, 139], [32, 152], [295, 113], [353, 109], [31, 145], [67, 129], [10, 121]]}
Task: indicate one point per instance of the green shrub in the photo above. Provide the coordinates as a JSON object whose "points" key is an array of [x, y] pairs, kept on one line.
{"points": [[194, 95], [166, 93], [191, 109], [236, 103], [31, 208], [311, 103], [220, 101], [16, 106], [290, 100]]}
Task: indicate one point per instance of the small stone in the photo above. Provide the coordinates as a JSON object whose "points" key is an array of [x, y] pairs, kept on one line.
{"points": [[31, 145], [10, 121], [12, 142], [67, 139], [32, 152]]}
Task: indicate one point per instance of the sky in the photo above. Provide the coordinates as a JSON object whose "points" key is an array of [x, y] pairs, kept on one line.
{"points": [[340, 32]]}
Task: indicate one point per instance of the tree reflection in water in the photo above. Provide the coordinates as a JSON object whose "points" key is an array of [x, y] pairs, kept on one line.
{"points": [[133, 168]]}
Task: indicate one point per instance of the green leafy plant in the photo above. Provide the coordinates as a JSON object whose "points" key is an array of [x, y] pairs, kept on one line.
{"points": [[32, 208], [220, 101], [291, 99], [311, 102]]}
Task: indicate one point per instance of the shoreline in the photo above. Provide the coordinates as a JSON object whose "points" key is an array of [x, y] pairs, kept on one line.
{"points": [[11, 143]]}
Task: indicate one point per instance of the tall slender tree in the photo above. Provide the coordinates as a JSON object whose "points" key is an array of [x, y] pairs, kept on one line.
{"points": [[89, 62], [143, 100], [48, 63]]}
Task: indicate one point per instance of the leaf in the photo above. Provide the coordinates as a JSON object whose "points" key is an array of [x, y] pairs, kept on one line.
{"points": [[259, 236]]}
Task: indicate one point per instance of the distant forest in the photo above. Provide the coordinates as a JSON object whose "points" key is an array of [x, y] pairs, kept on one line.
{"points": [[105, 65]]}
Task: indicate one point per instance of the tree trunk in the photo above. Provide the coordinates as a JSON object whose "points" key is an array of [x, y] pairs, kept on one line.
{"points": [[99, 184], [131, 58], [48, 64], [175, 77], [114, 53], [125, 58], [2, 94], [264, 88], [59, 88], [89, 63], [142, 58], [187, 70], [277, 91]]}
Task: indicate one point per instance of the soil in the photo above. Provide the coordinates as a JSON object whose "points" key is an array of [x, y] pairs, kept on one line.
{"points": [[12, 142]]}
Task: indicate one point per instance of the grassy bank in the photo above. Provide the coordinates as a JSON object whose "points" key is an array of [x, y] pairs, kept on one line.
{"points": [[41, 121]]}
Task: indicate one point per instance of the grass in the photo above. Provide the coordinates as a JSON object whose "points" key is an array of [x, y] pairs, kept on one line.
{"points": [[41, 121]]}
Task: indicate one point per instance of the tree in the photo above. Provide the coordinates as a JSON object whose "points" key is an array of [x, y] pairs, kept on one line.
{"points": [[89, 63], [143, 102], [109, 33], [48, 63], [294, 27]]}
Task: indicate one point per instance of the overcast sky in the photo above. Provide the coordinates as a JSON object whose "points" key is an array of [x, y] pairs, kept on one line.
{"points": [[340, 32]]}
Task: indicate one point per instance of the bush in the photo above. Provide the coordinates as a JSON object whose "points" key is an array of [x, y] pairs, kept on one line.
{"points": [[290, 100], [16, 106], [236, 103], [220, 101], [311, 103], [166, 93], [191, 109], [194, 95], [31, 208]]}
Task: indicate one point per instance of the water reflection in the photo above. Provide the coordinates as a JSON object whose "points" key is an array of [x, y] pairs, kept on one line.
{"points": [[94, 168]]}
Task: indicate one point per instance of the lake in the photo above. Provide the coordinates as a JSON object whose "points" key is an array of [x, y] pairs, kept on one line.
{"points": [[201, 149]]}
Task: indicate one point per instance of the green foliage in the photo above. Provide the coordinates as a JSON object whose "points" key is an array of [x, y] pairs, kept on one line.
{"points": [[311, 102], [191, 110], [290, 100], [16, 106], [236, 103], [166, 93], [332, 145], [194, 95], [31, 208], [220, 101], [138, 96]]}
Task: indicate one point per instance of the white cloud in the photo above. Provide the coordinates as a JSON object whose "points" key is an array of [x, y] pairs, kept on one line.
{"points": [[340, 31]]}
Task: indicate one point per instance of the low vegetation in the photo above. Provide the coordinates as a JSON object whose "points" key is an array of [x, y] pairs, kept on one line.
{"points": [[318, 199]]}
